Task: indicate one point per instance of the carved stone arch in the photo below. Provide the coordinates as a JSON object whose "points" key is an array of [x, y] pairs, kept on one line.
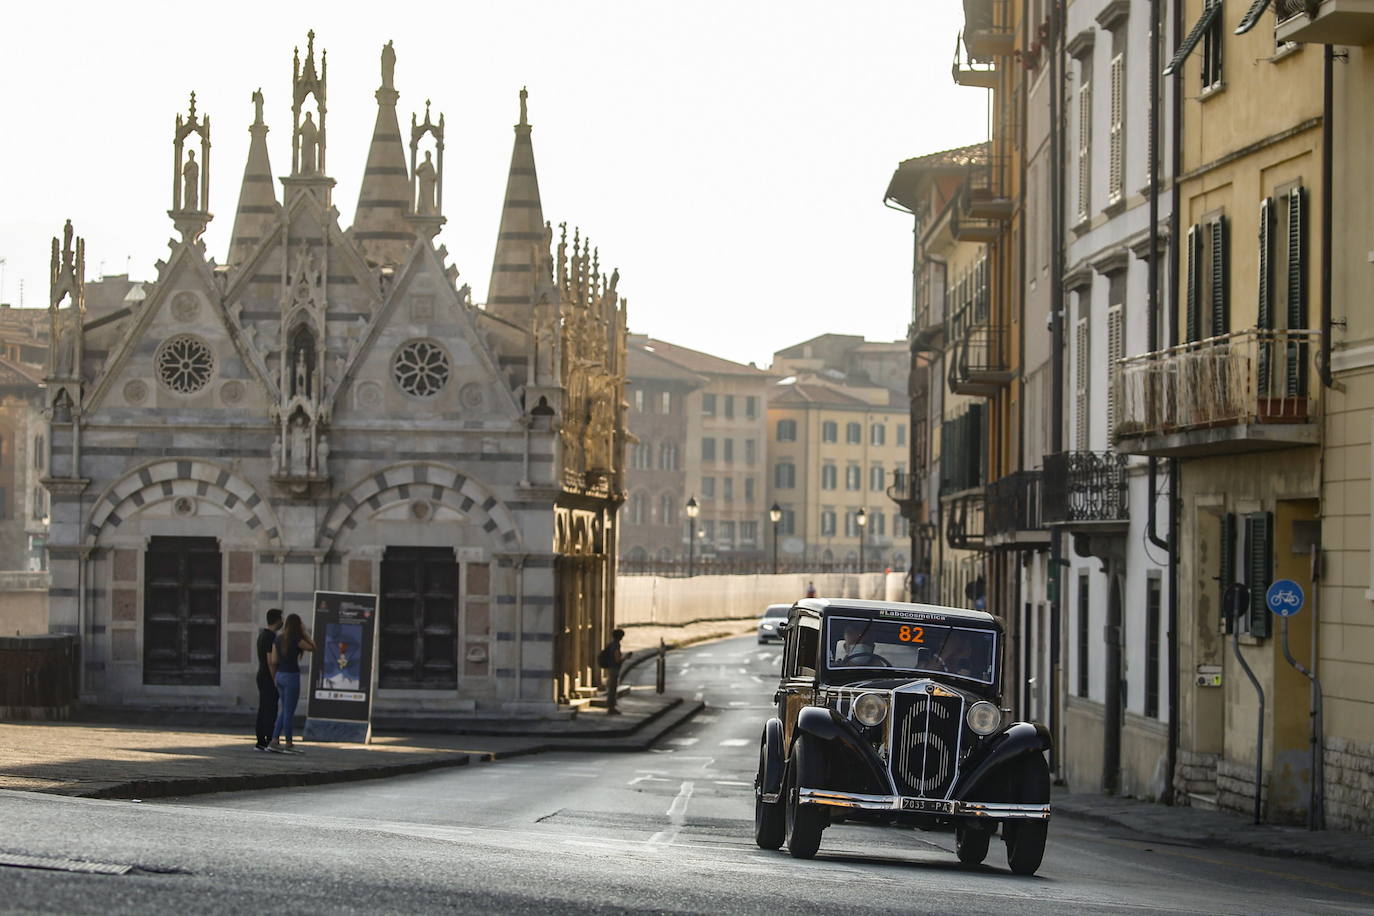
{"points": [[422, 480], [169, 478]]}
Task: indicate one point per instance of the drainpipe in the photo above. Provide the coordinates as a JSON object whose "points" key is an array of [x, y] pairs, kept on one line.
{"points": [[1152, 293], [1327, 135], [1056, 78], [1172, 643]]}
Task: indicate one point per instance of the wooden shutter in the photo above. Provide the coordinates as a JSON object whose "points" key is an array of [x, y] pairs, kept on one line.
{"points": [[1219, 298], [1116, 320], [1266, 293], [1081, 368], [1085, 127], [1194, 283], [1296, 355], [1226, 570], [1259, 568], [1117, 170]]}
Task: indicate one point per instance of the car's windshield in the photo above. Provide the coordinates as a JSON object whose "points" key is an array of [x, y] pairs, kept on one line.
{"points": [[777, 610], [853, 642]]}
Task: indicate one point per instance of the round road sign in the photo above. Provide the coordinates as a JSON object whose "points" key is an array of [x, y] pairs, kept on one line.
{"points": [[1285, 597]]}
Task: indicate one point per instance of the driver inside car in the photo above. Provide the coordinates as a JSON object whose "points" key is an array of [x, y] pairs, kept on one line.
{"points": [[853, 646]]}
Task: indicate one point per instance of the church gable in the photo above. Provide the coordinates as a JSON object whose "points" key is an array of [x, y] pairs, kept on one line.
{"points": [[178, 353], [424, 358]]}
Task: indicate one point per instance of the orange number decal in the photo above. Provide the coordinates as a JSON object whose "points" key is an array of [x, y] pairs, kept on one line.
{"points": [[919, 635], [904, 634], [911, 634]]}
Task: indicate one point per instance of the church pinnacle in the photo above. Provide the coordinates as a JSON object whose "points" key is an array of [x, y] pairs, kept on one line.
{"points": [[384, 200], [258, 207], [523, 232]]}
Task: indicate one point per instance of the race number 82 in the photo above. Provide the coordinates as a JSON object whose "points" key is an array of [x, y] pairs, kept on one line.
{"points": [[911, 634]]}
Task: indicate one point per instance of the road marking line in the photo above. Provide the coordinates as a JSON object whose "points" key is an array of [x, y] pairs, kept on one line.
{"points": [[683, 742], [739, 702], [734, 742], [732, 782], [677, 816]]}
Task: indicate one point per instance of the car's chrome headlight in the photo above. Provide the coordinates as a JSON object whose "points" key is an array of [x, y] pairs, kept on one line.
{"points": [[984, 718], [870, 709]]}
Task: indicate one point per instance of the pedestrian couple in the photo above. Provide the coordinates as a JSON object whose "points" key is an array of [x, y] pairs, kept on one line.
{"points": [[280, 646]]}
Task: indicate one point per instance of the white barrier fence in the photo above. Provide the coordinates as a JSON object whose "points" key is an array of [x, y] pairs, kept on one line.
{"points": [[663, 601]]}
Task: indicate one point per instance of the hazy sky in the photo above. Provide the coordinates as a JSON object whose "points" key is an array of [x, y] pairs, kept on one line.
{"points": [[729, 157]]}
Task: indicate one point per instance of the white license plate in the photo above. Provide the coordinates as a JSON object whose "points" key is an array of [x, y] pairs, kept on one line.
{"points": [[922, 804]]}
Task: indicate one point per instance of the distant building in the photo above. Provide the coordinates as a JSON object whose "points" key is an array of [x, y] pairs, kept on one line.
{"points": [[832, 448], [23, 501], [719, 408]]}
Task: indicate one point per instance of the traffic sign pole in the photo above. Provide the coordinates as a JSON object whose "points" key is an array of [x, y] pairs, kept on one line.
{"points": [[1286, 598]]}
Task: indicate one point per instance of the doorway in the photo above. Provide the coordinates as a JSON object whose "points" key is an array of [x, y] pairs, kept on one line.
{"points": [[181, 611], [419, 619]]}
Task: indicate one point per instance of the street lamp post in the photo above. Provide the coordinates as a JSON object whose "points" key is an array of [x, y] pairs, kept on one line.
{"points": [[692, 511], [775, 515], [861, 519]]}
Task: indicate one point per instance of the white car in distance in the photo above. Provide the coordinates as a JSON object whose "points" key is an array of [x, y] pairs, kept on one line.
{"points": [[769, 623]]}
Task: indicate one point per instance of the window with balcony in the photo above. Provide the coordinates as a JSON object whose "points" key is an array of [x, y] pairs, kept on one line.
{"points": [[1208, 292], [830, 431], [854, 433], [961, 451], [785, 475], [853, 477], [829, 477], [787, 431]]}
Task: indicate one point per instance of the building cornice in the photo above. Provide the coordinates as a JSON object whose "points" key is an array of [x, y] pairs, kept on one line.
{"points": [[1113, 15], [1228, 158], [1081, 44]]}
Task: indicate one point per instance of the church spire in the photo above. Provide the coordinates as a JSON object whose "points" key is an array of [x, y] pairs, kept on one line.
{"points": [[258, 206], [379, 223], [523, 232]]}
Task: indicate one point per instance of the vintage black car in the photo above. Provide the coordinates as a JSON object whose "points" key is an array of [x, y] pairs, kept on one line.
{"points": [[891, 713]]}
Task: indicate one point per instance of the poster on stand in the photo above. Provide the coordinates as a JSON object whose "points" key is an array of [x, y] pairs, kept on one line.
{"points": [[339, 701]]}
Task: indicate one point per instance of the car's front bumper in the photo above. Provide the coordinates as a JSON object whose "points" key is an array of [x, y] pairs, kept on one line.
{"points": [[951, 807]]}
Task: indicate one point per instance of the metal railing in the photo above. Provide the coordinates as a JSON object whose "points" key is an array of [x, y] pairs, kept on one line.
{"points": [[988, 30], [1251, 376], [980, 361], [1014, 503], [906, 491], [1085, 487]]}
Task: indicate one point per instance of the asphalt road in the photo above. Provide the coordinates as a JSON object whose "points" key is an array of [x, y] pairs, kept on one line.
{"points": [[669, 830]]}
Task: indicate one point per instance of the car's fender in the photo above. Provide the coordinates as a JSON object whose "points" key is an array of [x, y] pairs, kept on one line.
{"points": [[828, 726], [1013, 743], [770, 775]]}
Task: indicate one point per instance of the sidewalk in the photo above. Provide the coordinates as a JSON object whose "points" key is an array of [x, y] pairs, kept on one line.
{"points": [[1219, 829], [122, 760], [645, 637]]}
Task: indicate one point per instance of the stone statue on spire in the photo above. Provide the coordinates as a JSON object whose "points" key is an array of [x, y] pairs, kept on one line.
{"points": [[257, 107], [190, 178], [427, 179], [524, 112], [310, 145], [190, 181], [388, 66]]}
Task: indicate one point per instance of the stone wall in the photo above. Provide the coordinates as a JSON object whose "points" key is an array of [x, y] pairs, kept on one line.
{"points": [[676, 601], [1196, 775], [1236, 786], [1349, 785]]}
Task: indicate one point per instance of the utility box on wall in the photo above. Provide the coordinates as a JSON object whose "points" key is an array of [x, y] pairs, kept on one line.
{"points": [[38, 676]]}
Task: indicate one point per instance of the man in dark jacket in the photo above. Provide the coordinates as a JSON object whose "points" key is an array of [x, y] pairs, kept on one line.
{"points": [[267, 689], [611, 660]]}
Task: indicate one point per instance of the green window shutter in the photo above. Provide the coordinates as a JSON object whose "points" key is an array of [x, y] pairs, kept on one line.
{"points": [[1296, 355], [1226, 573], [1220, 299], [1194, 283], [1266, 292], [1259, 568]]}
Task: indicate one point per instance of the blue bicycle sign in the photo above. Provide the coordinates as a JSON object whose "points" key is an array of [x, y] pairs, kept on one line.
{"points": [[1285, 597]]}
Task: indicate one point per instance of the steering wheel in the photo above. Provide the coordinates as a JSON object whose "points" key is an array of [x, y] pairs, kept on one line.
{"points": [[870, 656]]}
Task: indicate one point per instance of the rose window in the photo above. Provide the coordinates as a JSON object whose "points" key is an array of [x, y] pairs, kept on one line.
{"points": [[185, 364], [421, 368]]}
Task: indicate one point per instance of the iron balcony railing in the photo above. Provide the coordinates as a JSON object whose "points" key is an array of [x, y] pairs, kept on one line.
{"points": [[1015, 503], [1085, 487], [906, 491], [1251, 376], [965, 521], [980, 364], [988, 29]]}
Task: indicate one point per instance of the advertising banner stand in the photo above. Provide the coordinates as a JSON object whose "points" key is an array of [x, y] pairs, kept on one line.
{"points": [[339, 704]]}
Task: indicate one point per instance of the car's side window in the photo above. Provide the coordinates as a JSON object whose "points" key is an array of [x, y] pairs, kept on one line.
{"points": [[808, 644], [789, 652]]}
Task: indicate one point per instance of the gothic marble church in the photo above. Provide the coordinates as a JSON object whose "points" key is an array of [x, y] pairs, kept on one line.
{"points": [[328, 409]]}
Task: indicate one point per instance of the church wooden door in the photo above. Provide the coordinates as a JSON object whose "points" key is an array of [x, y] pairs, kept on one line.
{"points": [[181, 611], [419, 618]]}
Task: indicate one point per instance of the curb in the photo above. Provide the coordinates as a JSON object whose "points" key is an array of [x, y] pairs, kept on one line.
{"points": [[643, 655], [1279, 846], [666, 719]]}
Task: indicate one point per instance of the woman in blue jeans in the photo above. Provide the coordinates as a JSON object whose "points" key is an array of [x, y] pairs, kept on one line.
{"points": [[285, 663]]}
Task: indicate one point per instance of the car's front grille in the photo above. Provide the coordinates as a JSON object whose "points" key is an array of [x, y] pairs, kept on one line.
{"points": [[925, 743]]}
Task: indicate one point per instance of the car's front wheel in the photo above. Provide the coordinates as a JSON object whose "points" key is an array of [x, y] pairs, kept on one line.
{"points": [[804, 822], [769, 818], [971, 845], [1026, 839]]}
